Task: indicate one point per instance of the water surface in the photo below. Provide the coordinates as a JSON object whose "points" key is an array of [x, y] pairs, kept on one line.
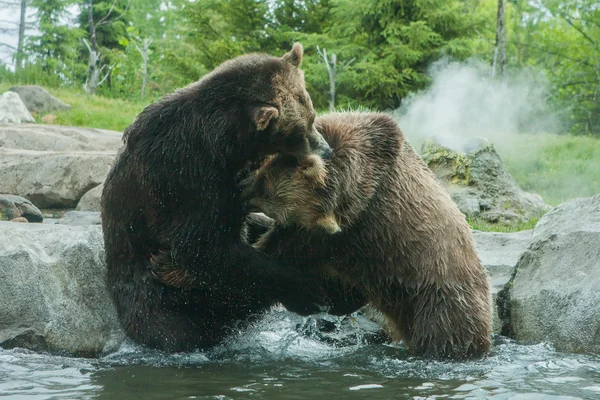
{"points": [[280, 357]]}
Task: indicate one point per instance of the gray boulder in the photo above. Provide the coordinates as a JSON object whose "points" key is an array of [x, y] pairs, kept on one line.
{"points": [[58, 138], [53, 179], [79, 218], [480, 185], [13, 110], [499, 254], [53, 290], [554, 295], [91, 200], [12, 207], [37, 99], [54, 166]]}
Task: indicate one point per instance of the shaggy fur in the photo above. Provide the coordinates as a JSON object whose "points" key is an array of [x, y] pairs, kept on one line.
{"points": [[178, 271], [379, 222]]}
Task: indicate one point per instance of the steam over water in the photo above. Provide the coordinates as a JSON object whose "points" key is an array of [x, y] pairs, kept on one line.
{"points": [[280, 357]]}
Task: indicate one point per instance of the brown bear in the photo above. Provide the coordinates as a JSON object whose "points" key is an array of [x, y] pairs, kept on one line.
{"points": [[174, 190], [375, 218]]}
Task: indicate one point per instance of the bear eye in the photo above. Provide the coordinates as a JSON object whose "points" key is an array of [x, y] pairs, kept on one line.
{"points": [[301, 100]]}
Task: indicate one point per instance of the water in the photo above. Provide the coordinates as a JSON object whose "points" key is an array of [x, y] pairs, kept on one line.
{"points": [[280, 358]]}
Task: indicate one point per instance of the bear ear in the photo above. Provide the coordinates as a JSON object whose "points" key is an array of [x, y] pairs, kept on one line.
{"points": [[314, 168], [329, 223], [294, 57], [262, 116]]}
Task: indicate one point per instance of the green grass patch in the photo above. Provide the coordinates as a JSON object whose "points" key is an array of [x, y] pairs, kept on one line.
{"points": [[91, 111], [485, 226], [557, 167]]}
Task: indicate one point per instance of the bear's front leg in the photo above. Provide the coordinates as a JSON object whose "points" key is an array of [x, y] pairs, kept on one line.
{"points": [[445, 321]]}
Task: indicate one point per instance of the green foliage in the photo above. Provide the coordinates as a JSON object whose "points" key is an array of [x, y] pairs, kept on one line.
{"points": [[111, 20], [563, 37], [54, 49], [485, 226], [390, 44]]}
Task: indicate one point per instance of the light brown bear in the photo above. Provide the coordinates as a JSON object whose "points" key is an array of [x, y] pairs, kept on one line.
{"points": [[375, 218]]}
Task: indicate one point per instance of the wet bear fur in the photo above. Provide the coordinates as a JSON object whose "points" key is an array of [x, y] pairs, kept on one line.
{"points": [[375, 218], [174, 190]]}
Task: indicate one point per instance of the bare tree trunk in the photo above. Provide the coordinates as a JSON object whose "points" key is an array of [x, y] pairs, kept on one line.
{"points": [[21, 43], [144, 52], [93, 75], [331, 65], [331, 70], [500, 48], [94, 69]]}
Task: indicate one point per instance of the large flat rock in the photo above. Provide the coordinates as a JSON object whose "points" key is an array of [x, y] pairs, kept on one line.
{"points": [[52, 165], [58, 138], [53, 179], [555, 293], [53, 291]]}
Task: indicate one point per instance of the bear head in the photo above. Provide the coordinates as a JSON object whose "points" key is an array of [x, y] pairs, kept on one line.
{"points": [[272, 91], [292, 191]]}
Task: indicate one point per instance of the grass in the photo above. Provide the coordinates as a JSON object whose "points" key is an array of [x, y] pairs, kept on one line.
{"points": [[557, 167], [91, 111], [483, 225]]}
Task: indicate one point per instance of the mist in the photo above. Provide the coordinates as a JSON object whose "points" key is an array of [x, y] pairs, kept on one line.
{"points": [[463, 102]]}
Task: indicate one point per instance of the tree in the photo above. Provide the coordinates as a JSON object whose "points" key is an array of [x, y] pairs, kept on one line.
{"points": [[562, 37], [394, 42], [144, 52], [55, 47], [20, 55], [11, 27], [500, 47], [331, 64], [95, 67]]}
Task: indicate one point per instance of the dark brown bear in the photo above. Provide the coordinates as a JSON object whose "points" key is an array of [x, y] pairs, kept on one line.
{"points": [[173, 190], [379, 221]]}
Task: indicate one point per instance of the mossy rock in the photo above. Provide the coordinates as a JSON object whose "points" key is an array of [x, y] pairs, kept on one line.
{"points": [[480, 184]]}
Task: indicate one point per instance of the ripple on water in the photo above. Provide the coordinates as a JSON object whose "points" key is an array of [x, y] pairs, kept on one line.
{"points": [[280, 357]]}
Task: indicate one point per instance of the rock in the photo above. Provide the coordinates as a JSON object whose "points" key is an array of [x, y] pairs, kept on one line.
{"points": [[37, 99], [554, 295], [480, 185], [91, 200], [19, 219], [52, 179], [499, 254], [49, 119], [13, 207], [54, 166], [13, 110], [79, 218], [53, 291], [58, 138]]}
